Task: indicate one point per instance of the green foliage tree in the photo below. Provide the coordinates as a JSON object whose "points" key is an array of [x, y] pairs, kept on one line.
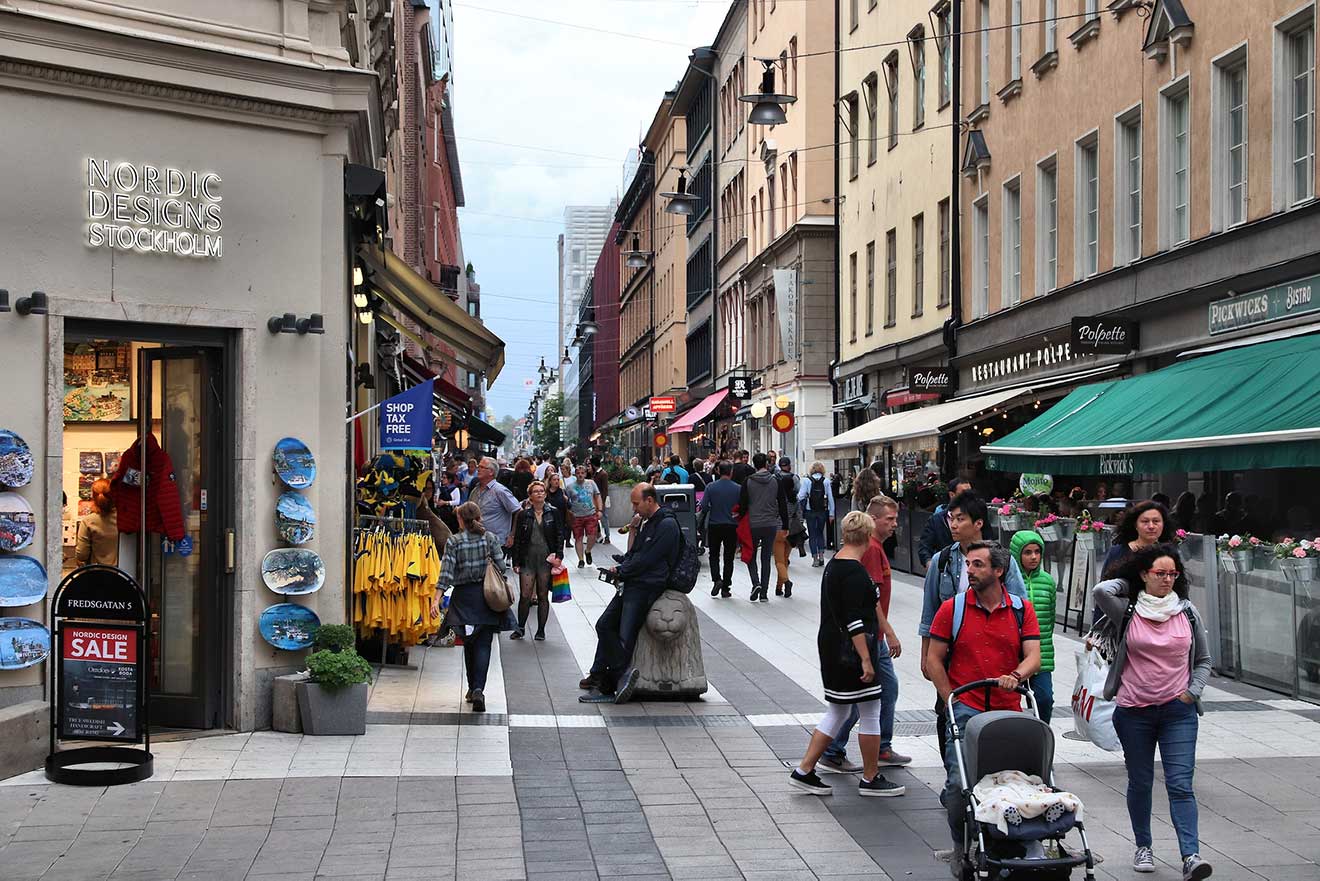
{"points": [[546, 435]]}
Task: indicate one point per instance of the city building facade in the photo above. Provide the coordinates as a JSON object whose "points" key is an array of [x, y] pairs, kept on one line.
{"points": [[633, 222]]}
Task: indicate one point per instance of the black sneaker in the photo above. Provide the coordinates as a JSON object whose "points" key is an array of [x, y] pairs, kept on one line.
{"points": [[517, 634], [765, 596], [715, 589], [879, 787], [582, 563], [788, 589], [478, 701], [756, 594], [779, 590], [808, 783], [540, 636], [627, 685], [726, 593], [589, 563]]}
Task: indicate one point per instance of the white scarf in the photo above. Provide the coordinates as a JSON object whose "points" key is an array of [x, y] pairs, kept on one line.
{"points": [[1158, 609]]}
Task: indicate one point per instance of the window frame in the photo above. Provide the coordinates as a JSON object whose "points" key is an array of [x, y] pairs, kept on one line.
{"points": [[1126, 189], [1285, 195], [871, 95], [918, 265], [1176, 92], [1015, 40], [892, 109], [1047, 225], [981, 256], [919, 82], [891, 277], [944, 24], [1010, 242], [852, 294], [944, 218], [1086, 202], [870, 287], [983, 26], [1225, 67]]}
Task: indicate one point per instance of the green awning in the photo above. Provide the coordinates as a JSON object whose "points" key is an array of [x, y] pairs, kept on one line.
{"points": [[1252, 407]]}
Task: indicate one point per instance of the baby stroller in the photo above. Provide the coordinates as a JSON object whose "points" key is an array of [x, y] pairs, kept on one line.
{"points": [[1002, 740]]}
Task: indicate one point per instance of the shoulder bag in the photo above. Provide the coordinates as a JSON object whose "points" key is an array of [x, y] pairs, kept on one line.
{"points": [[495, 587]]}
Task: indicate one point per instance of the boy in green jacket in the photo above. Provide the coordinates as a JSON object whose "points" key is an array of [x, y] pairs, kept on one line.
{"points": [[1028, 548]]}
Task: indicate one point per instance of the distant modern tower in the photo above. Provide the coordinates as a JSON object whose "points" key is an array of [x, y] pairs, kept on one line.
{"points": [[585, 228]]}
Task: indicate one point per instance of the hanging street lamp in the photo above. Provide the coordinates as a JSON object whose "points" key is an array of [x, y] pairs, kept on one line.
{"points": [[768, 107]]}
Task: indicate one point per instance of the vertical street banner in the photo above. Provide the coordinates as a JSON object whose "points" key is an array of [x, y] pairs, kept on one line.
{"points": [[786, 297], [406, 421], [99, 676]]}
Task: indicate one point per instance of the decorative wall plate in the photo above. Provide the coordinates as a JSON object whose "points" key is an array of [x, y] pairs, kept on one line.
{"points": [[294, 463], [15, 460], [17, 523], [22, 581], [290, 571], [23, 643], [294, 519], [288, 626]]}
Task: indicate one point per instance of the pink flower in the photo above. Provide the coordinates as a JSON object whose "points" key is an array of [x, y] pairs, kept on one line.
{"points": [[1180, 534], [1007, 510], [1254, 541], [1235, 541], [996, 501], [1299, 552]]}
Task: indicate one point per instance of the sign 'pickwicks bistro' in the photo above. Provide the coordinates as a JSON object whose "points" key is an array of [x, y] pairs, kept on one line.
{"points": [[153, 210], [1264, 306]]}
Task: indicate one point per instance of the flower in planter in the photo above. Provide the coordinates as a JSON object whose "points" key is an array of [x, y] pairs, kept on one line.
{"points": [[1180, 536], [1299, 550], [1226, 543], [1047, 520]]}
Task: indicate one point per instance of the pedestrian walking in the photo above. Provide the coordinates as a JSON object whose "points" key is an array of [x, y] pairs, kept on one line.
{"points": [[1144, 525], [717, 506], [847, 644], [1161, 667], [884, 512], [764, 498], [1028, 550], [602, 478], [674, 472], [496, 502], [539, 534], [741, 469], [521, 479], [584, 501], [554, 495], [816, 496], [935, 536], [792, 484], [464, 569]]}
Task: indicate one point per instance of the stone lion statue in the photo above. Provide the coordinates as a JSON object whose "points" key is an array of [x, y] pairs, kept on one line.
{"points": [[668, 651]]}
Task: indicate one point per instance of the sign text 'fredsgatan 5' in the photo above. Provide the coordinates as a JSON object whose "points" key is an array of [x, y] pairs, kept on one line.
{"points": [[153, 209]]}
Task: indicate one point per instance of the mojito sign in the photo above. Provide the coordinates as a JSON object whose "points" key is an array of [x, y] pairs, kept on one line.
{"points": [[1265, 306]]}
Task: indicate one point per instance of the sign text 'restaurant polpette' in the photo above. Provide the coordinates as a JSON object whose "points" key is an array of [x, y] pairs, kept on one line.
{"points": [[153, 209]]}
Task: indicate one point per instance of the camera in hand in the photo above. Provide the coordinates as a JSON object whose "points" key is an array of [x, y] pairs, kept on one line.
{"points": [[608, 576]]}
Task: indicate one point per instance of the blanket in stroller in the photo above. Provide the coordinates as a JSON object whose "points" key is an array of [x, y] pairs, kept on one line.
{"points": [[1007, 798]]}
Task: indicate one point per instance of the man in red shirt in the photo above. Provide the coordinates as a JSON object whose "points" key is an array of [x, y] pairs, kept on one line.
{"points": [[998, 638], [884, 511]]}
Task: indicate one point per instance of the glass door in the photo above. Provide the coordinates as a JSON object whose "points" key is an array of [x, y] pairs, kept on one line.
{"points": [[180, 426]]}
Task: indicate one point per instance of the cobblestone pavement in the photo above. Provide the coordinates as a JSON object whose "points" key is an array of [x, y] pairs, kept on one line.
{"points": [[546, 789]]}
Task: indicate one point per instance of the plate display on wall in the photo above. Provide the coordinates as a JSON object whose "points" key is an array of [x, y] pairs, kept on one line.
{"points": [[294, 463], [288, 626], [22, 581], [23, 643], [15, 460], [294, 519], [291, 571], [17, 524]]}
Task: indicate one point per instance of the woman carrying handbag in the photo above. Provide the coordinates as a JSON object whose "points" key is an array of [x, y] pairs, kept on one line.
{"points": [[473, 562]]}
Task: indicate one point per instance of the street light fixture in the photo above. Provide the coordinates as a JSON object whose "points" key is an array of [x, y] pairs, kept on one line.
{"points": [[681, 202], [636, 258], [542, 369], [566, 359], [768, 106]]}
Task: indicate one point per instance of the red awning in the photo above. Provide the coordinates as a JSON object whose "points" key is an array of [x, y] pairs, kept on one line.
{"points": [[900, 398], [444, 389], [689, 420]]}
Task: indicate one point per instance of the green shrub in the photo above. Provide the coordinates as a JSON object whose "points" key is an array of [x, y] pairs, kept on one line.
{"points": [[336, 670], [624, 475], [335, 637]]}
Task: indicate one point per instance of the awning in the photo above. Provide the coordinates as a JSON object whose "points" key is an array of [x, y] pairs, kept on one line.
{"points": [[1239, 409], [444, 389], [688, 421], [483, 432], [397, 283], [916, 423]]}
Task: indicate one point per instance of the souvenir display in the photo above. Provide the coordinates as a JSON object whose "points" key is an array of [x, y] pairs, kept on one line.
{"points": [[96, 382], [394, 580], [379, 489], [91, 463], [294, 463], [15, 460], [293, 571], [85, 482], [23, 643], [288, 626], [111, 463], [17, 523], [22, 581], [294, 519]]}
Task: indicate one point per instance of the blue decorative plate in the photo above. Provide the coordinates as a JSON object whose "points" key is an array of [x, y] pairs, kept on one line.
{"points": [[291, 571], [17, 524], [15, 460], [294, 519], [23, 643], [22, 581], [294, 463], [288, 626]]}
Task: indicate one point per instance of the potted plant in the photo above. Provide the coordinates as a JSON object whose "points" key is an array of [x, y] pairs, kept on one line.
{"points": [[1180, 536], [334, 637], [1089, 530], [1049, 527], [334, 700], [992, 511], [1297, 559], [1235, 553], [1262, 553]]}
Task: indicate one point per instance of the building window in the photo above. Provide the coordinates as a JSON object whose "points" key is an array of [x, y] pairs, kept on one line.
{"points": [[869, 89], [891, 78], [1294, 102], [793, 60], [435, 139], [946, 55], [919, 80], [473, 308], [1230, 164], [852, 295], [1175, 172], [870, 288], [981, 258], [946, 253], [853, 13], [1127, 189], [1051, 25], [1015, 41], [1092, 10], [435, 233], [891, 277], [985, 51], [854, 148], [1047, 227], [1012, 242], [918, 264], [1086, 217], [471, 379]]}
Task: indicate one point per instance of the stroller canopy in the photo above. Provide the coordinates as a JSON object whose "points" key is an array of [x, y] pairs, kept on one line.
{"points": [[1003, 740]]}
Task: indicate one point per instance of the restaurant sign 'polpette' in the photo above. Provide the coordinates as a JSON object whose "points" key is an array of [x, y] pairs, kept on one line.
{"points": [[1264, 306], [153, 209], [1104, 336]]}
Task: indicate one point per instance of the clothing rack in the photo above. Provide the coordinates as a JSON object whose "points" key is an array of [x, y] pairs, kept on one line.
{"points": [[405, 524]]}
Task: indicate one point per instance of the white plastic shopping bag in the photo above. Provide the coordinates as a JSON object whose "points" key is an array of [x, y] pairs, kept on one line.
{"points": [[1093, 716]]}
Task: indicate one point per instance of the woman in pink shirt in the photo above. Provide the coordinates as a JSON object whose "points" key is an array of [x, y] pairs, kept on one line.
{"points": [[1160, 668]]}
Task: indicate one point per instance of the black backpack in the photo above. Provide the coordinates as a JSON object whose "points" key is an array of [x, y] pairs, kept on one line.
{"points": [[683, 577], [816, 500]]}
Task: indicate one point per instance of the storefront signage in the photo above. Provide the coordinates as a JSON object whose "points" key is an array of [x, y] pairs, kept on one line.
{"points": [[786, 296], [663, 405], [1104, 336], [1261, 307], [740, 386], [153, 209], [660, 439], [930, 380], [854, 386], [99, 679], [406, 420], [782, 422], [1115, 464], [1048, 355], [1035, 484]]}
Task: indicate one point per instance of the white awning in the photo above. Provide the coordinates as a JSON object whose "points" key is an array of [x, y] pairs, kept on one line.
{"points": [[922, 422]]}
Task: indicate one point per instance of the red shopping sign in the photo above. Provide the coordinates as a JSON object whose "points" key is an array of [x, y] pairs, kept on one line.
{"points": [[97, 644]]}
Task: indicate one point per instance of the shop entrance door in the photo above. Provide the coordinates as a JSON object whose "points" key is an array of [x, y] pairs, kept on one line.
{"points": [[180, 403]]}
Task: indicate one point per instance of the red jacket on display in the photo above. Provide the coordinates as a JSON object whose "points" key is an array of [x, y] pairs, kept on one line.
{"points": [[164, 511]]}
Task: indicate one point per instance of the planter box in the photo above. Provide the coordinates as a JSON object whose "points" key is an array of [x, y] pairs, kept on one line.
{"points": [[1236, 561], [620, 510], [1263, 557], [326, 712], [1088, 539], [1298, 569], [1051, 532]]}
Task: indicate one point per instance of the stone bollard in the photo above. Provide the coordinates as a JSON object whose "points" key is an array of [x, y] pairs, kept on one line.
{"points": [[284, 703], [668, 653]]}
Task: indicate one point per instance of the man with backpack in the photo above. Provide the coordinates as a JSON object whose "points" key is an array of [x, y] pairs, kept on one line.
{"points": [[816, 495], [985, 632]]}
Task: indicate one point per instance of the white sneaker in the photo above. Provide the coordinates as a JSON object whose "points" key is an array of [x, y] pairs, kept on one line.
{"points": [[1143, 860]]}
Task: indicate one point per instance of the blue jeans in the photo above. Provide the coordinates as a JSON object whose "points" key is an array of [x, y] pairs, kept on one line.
{"points": [[884, 672], [951, 797], [816, 521], [476, 656], [1173, 726], [763, 543], [1042, 687]]}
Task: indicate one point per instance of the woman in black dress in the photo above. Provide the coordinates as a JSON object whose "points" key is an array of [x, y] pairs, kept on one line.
{"points": [[847, 643], [538, 533]]}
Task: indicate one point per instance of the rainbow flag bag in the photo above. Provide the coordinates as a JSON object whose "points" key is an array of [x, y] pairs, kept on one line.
{"points": [[559, 590]]}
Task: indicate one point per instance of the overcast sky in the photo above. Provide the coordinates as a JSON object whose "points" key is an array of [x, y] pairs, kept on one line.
{"points": [[549, 87]]}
